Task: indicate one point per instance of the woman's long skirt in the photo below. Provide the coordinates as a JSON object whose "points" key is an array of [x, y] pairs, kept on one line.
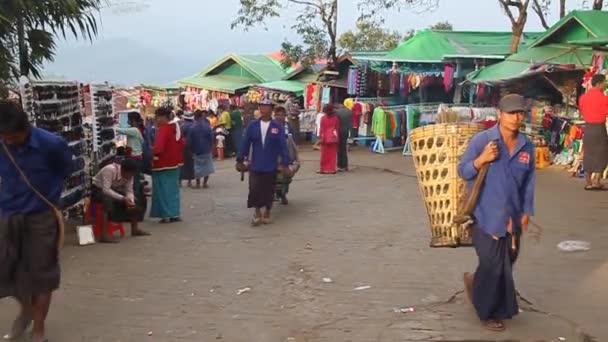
{"points": [[261, 189], [494, 294], [329, 158], [187, 170], [203, 165], [165, 194], [595, 146]]}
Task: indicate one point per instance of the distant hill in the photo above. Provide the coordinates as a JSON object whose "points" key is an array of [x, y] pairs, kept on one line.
{"points": [[121, 61]]}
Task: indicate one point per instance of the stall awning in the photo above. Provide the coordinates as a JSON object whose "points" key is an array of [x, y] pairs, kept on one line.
{"points": [[288, 86], [221, 83], [534, 61]]}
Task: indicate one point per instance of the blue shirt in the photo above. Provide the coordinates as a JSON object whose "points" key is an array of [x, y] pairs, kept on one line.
{"points": [[46, 160], [200, 137], [508, 190], [265, 156]]}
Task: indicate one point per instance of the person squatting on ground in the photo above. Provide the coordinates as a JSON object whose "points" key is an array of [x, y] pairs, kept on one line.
{"points": [[113, 189], [34, 165], [265, 139], [200, 140], [505, 204], [283, 181], [594, 108], [167, 159]]}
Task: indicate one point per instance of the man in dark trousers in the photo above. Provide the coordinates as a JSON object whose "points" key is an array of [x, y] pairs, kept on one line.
{"points": [[594, 108], [29, 226], [345, 116], [504, 207], [265, 141]]}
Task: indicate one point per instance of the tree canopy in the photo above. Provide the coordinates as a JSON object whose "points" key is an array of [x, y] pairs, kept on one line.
{"points": [[369, 36], [316, 23]]}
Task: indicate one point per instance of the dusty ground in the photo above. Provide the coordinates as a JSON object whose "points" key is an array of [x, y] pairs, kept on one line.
{"points": [[364, 228]]}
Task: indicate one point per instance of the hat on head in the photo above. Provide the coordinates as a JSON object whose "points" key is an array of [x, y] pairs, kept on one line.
{"points": [[266, 101], [512, 103], [188, 116]]}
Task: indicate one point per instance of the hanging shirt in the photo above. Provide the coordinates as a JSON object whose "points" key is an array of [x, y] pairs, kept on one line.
{"points": [[379, 122], [46, 160], [508, 190]]}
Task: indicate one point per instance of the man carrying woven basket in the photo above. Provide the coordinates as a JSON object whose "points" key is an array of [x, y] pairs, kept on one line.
{"points": [[504, 204]]}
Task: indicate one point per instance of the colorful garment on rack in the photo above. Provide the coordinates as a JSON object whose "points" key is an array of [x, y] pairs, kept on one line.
{"points": [[379, 122]]}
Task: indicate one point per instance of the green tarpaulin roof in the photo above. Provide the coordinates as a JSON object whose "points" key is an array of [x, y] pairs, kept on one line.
{"points": [[296, 87], [519, 65], [431, 46], [234, 72], [576, 25], [551, 49], [221, 83]]}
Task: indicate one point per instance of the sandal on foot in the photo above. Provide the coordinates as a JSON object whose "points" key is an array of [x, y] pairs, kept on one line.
{"points": [[256, 221], [19, 328], [494, 325], [164, 221], [175, 219], [140, 233], [267, 220]]}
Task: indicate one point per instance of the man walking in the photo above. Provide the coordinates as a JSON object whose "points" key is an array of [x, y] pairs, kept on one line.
{"points": [[594, 108], [505, 204], [345, 116], [33, 167], [265, 138]]}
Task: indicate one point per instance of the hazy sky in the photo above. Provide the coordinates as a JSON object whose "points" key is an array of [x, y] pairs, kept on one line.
{"points": [[198, 31]]}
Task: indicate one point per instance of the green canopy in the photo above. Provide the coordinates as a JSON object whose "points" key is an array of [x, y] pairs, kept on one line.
{"points": [[220, 83], [432, 46], [296, 87], [534, 61]]}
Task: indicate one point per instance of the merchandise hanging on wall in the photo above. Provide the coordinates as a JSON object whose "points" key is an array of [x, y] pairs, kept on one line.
{"points": [[57, 108], [104, 136]]}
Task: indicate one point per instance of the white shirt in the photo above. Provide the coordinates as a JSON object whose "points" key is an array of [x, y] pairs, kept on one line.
{"points": [[264, 126]]}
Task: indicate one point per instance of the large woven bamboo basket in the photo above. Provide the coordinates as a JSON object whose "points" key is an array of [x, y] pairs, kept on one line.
{"points": [[437, 150]]}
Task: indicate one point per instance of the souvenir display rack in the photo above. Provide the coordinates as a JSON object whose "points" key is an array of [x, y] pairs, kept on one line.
{"points": [[104, 136], [57, 108]]}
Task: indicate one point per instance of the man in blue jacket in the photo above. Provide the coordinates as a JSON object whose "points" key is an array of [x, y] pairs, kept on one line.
{"points": [[34, 164], [264, 142], [504, 206]]}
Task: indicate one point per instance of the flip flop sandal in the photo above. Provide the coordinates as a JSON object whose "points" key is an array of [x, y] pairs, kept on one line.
{"points": [[267, 221], [17, 335], [175, 219], [164, 221], [109, 241], [591, 188], [494, 326], [141, 233], [255, 222]]}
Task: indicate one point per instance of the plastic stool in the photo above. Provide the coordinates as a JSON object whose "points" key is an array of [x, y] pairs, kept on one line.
{"points": [[94, 210]]}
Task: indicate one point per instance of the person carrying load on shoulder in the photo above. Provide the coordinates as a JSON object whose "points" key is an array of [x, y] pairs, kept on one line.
{"points": [[504, 206]]}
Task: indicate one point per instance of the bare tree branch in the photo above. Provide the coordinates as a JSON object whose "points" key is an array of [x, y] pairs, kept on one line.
{"points": [[541, 13]]}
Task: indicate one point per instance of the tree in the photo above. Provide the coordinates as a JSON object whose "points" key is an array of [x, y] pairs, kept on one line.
{"points": [[517, 23], [542, 9], [442, 25], [369, 36], [598, 5], [316, 23], [28, 29]]}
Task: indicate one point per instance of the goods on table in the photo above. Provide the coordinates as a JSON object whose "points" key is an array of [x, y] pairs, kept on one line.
{"points": [[437, 150]]}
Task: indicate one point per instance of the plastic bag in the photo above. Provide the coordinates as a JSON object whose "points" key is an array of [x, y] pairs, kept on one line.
{"points": [[574, 246]]}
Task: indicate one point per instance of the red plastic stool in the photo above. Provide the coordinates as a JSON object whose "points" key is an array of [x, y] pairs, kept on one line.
{"points": [[94, 210]]}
